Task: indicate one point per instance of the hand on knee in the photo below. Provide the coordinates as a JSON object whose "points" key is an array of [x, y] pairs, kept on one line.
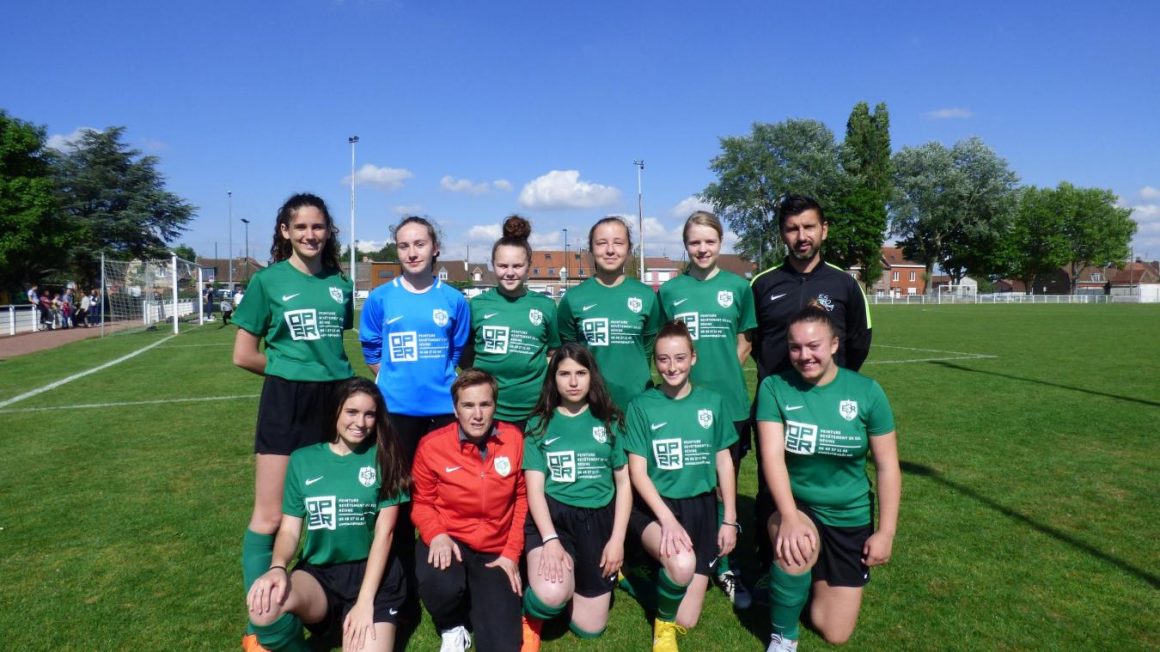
{"points": [[681, 567]]}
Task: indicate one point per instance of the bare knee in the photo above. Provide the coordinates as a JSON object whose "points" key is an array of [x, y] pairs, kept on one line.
{"points": [[552, 594], [681, 568], [835, 637], [267, 618]]}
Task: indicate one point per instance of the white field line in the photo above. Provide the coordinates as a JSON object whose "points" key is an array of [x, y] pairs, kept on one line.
{"points": [[911, 348], [69, 379], [89, 406], [193, 346], [960, 357]]}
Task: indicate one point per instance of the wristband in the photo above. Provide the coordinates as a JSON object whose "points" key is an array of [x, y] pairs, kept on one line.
{"points": [[551, 537], [736, 525], [278, 566]]}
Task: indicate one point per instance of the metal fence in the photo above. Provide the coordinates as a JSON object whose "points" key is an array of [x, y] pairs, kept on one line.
{"points": [[1005, 297]]}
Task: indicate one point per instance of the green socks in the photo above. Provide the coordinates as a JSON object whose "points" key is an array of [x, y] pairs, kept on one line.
{"points": [[536, 608], [669, 596], [257, 551], [282, 634], [723, 560], [787, 596], [580, 633]]}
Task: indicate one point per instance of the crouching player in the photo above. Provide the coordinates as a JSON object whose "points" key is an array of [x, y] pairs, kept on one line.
{"points": [[678, 456], [817, 422], [579, 497], [348, 491]]}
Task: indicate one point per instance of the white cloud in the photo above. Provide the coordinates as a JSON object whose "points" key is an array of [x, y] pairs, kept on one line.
{"points": [[385, 179], [563, 189], [451, 184], [371, 245], [412, 209], [950, 113], [1146, 242], [690, 205], [64, 142], [1148, 192], [548, 240], [502, 184], [484, 233]]}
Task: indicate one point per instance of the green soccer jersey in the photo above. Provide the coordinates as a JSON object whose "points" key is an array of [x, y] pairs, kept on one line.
{"points": [[679, 438], [716, 310], [827, 430], [337, 498], [301, 318], [618, 325], [577, 456], [512, 337]]}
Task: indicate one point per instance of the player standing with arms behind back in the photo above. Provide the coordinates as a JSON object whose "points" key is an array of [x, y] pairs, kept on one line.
{"points": [[299, 306]]}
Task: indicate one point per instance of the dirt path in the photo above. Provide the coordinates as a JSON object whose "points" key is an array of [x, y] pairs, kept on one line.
{"points": [[16, 345]]}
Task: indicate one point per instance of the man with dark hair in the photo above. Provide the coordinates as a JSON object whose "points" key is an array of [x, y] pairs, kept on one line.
{"points": [[779, 292]]}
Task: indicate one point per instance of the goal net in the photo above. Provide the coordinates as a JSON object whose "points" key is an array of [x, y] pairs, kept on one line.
{"points": [[156, 293], [952, 293]]}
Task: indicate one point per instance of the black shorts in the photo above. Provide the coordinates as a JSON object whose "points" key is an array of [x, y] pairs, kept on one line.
{"points": [[840, 554], [409, 430], [698, 515], [583, 533], [293, 414], [341, 584]]}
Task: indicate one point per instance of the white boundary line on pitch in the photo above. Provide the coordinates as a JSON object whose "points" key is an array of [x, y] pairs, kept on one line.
{"points": [[89, 406], [62, 381], [911, 348], [960, 357]]}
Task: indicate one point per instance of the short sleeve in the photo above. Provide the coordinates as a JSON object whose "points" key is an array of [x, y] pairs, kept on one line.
{"points": [[636, 429], [293, 502], [746, 312], [533, 456], [726, 434], [551, 327], [619, 458], [253, 314], [768, 408], [397, 499], [879, 418], [565, 325]]}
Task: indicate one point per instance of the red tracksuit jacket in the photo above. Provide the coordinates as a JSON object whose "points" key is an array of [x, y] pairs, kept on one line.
{"points": [[481, 503]]}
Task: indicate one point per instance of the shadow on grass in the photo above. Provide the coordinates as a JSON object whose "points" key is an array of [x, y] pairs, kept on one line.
{"points": [[957, 367], [910, 468]]}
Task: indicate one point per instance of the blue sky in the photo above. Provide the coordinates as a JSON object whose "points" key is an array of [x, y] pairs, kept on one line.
{"points": [[468, 111]]}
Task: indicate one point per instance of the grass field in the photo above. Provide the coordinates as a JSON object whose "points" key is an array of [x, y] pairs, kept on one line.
{"points": [[1030, 517]]}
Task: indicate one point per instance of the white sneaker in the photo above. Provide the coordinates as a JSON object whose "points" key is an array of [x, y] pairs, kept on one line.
{"points": [[779, 644], [456, 639]]}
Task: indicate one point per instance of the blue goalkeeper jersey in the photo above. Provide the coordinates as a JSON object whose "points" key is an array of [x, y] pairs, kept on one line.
{"points": [[417, 339]]}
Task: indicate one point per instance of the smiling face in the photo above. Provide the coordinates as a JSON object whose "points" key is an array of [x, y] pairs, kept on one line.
{"points": [[416, 248], [572, 382], [812, 346], [674, 358], [610, 246], [356, 421], [511, 267], [703, 245], [804, 234], [307, 233], [475, 410]]}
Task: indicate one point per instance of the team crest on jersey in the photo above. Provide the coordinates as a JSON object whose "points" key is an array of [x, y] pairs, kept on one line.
{"points": [[536, 317], [367, 476], [439, 315], [503, 465], [725, 298], [635, 304], [600, 434], [336, 294], [705, 418], [826, 302], [848, 410]]}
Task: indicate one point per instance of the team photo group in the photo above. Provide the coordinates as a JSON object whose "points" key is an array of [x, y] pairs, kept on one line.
{"points": [[509, 451]]}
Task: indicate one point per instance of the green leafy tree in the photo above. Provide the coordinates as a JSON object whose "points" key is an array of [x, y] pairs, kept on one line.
{"points": [[185, 252], [117, 201], [33, 237], [387, 254], [754, 171], [952, 207], [1098, 232], [1037, 242], [860, 219]]}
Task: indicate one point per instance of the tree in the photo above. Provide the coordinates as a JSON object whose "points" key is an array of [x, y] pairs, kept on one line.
{"points": [[860, 219], [1037, 242], [387, 254], [1098, 232], [33, 237], [753, 172], [185, 252], [952, 207], [117, 202]]}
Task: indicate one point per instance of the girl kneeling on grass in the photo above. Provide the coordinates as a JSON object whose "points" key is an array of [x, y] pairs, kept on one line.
{"points": [[348, 491], [816, 423], [579, 497], [678, 457]]}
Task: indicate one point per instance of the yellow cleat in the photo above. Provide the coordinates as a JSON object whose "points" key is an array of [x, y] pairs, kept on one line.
{"points": [[665, 636]]}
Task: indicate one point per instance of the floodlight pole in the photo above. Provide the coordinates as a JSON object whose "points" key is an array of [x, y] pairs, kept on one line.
{"points": [[230, 194], [247, 227], [640, 212], [565, 258], [353, 282]]}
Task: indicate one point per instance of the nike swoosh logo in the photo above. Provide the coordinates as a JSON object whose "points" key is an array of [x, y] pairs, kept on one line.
{"points": [[394, 319], [490, 315], [677, 303], [287, 297], [452, 469], [311, 481], [588, 307], [549, 442], [395, 611], [791, 408], [776, 297], [658, 426]]}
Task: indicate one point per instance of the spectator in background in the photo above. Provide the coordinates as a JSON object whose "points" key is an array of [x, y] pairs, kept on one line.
{"points": [[81, 318], [96, 308]]}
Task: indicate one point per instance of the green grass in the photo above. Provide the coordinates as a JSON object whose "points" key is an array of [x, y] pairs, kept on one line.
{"points": [[1029, 518]]}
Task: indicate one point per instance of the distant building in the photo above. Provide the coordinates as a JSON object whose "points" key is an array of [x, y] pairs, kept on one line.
{"points": [[217, 270], [900, 277]]}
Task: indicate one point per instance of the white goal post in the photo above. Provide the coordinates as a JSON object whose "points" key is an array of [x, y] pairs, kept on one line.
{"points": [[957, 293], [148, 293]]}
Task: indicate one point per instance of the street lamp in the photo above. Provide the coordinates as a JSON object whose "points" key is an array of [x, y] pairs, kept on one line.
{"points": [[640, 212], [354, 286], [565, 257], [247, 227], [230, 194]]}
